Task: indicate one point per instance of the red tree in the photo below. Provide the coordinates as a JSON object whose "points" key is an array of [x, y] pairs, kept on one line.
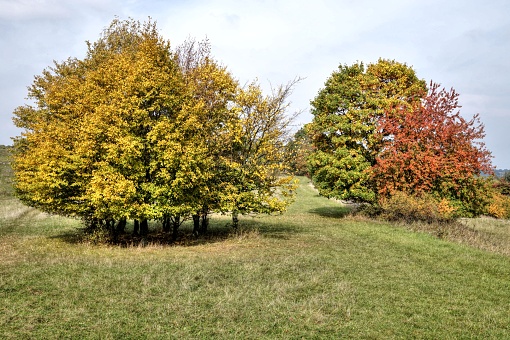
{"points": [[431, 148]]}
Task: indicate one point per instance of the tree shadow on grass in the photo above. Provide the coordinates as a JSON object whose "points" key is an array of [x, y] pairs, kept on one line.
{"points": [[271, 229], [73, 237], [333, 212], [219, 230]]}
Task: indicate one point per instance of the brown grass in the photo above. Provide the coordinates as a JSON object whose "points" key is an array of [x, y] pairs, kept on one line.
{"points": [[482, 233]]}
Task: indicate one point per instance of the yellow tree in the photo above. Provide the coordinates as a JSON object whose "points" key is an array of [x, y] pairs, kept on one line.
{"points": [[88, 140], [45, 175], [136, 131], [198, 134], [256, 174]]}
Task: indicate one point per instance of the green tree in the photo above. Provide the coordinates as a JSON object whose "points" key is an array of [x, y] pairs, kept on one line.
{"points": [[298, 150], [344, 128]]}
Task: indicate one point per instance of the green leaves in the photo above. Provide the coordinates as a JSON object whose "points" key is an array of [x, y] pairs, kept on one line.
{"points": [[344, 128], [377, 132]]}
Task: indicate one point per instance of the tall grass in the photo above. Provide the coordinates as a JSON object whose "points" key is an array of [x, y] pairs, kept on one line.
{"points": [[314, 272]]}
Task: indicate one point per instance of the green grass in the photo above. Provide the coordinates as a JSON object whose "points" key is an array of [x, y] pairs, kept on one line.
{"points": [[314, 272]]}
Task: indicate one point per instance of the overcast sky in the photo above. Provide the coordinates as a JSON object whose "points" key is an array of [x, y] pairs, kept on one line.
{"points": [[462, 44]]}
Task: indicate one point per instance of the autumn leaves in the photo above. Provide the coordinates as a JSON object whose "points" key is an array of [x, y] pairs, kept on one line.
{"points": [[139, 131], [379, 131]]}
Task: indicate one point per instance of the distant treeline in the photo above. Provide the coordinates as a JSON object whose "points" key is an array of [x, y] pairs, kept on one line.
{"points": [[500, 172]]}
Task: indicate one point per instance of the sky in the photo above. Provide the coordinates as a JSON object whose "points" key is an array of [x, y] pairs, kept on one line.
{"points": [[461, 44]]}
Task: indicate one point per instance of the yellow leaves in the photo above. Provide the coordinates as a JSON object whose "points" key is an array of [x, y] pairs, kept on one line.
{"points": [[126, 132], [109, 188], [499, 206], [446, 209]]}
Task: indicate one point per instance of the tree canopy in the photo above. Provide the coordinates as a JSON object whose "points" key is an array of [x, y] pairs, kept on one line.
{"points": [[380, 131], [344, 127], [139, 131], [430, 147]]}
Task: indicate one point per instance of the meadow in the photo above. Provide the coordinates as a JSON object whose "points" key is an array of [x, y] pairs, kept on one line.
{"points": [[314, 272]]}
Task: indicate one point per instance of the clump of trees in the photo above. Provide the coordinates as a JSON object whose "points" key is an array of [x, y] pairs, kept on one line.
{"points": [[299, 148], [379, 133], [139, 131]]}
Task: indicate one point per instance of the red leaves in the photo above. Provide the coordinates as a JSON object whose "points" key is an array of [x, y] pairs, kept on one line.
{"points": [[429, 146]]}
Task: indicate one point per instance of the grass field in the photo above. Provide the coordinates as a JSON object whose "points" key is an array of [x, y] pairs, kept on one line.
{"points": [[314, 272]]}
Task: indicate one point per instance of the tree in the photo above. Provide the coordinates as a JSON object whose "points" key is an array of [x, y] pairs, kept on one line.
{"points": [[502, 184], [429, 147], [255, 177], [344, 128], [378, 132], [87, 149], [191, 179], [137, 131], [298, 150]]}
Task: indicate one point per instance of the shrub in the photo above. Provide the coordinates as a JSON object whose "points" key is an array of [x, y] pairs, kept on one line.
{"points": [[499, 206], [413, 208], [502, 186], [97, 236]]}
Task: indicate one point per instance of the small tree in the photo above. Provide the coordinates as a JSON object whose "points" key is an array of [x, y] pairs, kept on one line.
{"points": [[502, 185], [196, 138], [344, 128], [257, 177], [430, 148]]}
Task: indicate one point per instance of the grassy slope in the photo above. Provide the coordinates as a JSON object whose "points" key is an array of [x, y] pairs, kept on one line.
{"points": [[308, 273]]}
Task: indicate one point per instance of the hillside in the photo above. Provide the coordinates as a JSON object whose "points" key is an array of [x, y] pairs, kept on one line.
{"points": [[310, 273]]}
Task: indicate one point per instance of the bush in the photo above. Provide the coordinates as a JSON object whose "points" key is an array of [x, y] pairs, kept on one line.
{"points": [[502, 186], [412, 208], [97, 231], [499, 206]]}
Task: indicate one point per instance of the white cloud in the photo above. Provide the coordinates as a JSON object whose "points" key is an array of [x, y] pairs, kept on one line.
{"points": [[46, 9], [461, 44]]}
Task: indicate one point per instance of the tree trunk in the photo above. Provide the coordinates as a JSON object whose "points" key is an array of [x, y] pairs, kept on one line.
{"points": [[196, 225], [144, 227], [136, 228], [166, 223], [175, 227], [121, 226], [235, 220], [109, 224], [205, 223]]}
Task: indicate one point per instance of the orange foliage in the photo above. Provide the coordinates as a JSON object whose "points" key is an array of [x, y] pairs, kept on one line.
{"points": [[430, 147], [499, 206]]}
